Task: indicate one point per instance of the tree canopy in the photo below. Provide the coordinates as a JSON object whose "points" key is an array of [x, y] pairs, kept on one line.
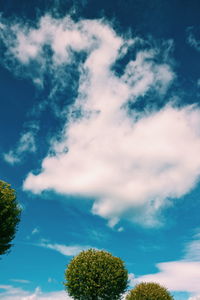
{"points": [[9, 216], [149, 291], [96, 275]]}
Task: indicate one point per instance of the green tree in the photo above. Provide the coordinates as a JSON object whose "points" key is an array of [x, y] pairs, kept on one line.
{"points": [[9, 216], [96, 275], [149, 291]]}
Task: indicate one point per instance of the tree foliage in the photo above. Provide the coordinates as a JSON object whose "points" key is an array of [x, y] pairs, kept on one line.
{"points": [[9, 216], [96, 275], [149, 291]]}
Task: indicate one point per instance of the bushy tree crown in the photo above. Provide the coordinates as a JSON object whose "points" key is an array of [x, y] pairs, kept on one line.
{"points": [[96, 275], [149, 291], [9, 216]]}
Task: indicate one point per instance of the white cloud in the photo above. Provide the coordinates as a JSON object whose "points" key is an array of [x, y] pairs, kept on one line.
{"points": [[59, 34], [182, 275], [11, 293], [130, 167], [177, 276], [111, 157], [63, 249]]}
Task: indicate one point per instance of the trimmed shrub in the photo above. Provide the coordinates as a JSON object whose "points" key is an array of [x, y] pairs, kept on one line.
{"points": [[149, 291], [95, 275]]}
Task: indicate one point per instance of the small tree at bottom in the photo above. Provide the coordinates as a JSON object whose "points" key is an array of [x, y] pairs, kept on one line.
{"points": [[96, 275], [149, 291]]}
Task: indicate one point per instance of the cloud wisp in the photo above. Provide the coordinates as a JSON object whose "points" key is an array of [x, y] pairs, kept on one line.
{"points": [[21, 281], [26, 144], [64, 249], [192, 249], [11, 293], [130, 164], [192, 40]]}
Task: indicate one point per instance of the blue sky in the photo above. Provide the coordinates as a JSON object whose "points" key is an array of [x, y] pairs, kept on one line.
{"points": [[100, 137]]}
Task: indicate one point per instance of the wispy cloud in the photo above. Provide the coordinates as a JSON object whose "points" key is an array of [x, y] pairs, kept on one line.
{"points": [[26, 144], [192, 249], [192, 40], [12, 293], [35, 231], [51, 280], [64, 249], [132, 280], [20, 281]]}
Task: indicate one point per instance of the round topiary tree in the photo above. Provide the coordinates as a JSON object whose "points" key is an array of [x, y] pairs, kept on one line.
{"points": [[149, 291], [9, 216], [96, 275]]}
